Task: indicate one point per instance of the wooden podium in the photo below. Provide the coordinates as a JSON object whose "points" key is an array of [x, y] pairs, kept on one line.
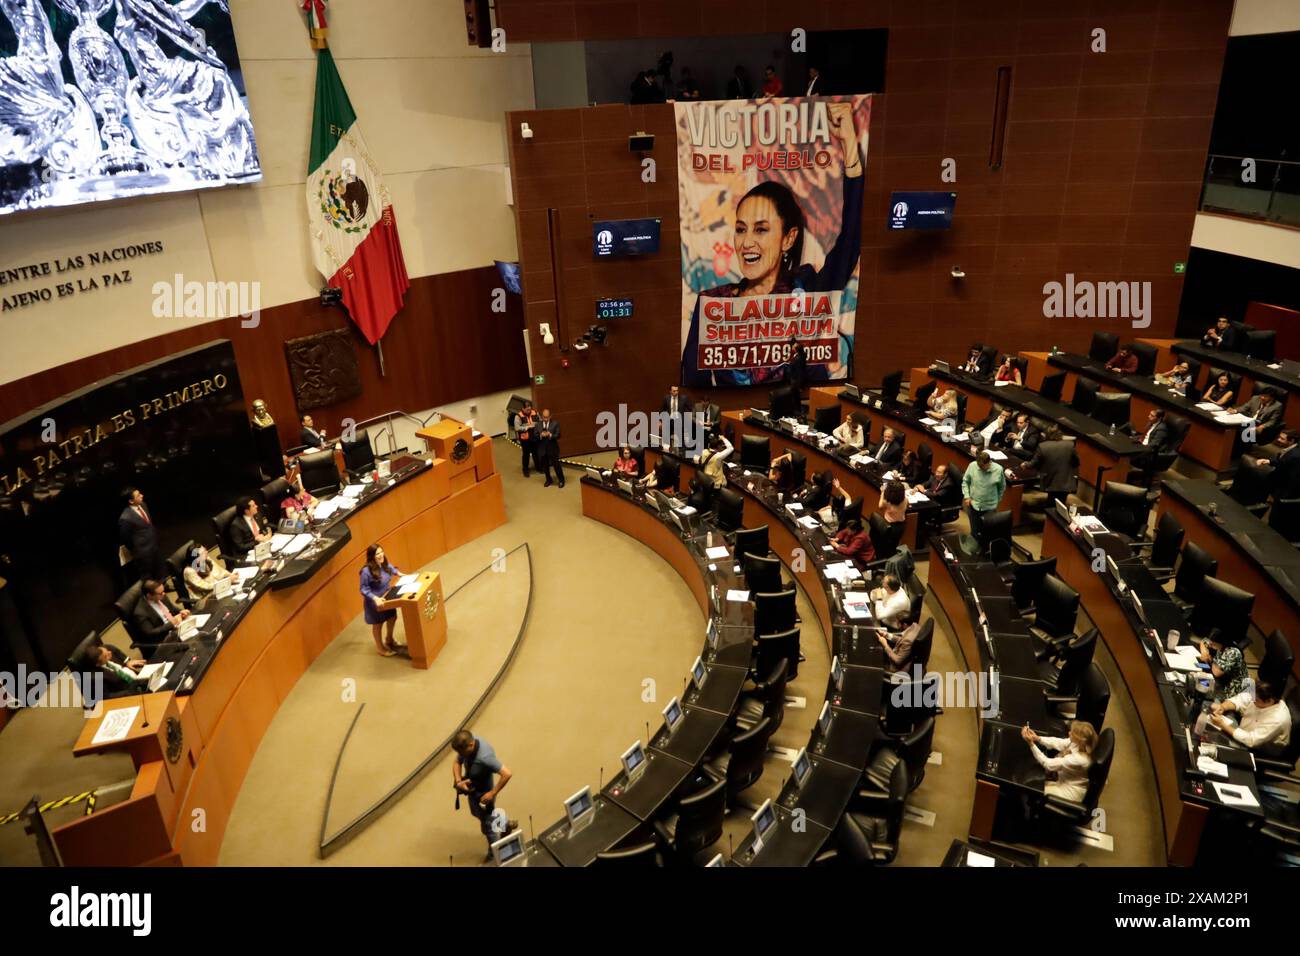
{"points": [[451, 440], [424, 619]]}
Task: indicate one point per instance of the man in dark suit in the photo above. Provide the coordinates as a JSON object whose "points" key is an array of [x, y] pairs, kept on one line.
{"points": [[1155, 438], [1057, 464], [548, 446], [941, 487], [1284, 482], [676, 406], [1221, 336], [137, 533], [121, 675], [311, 436], [249, 528], [796, 374], [890, 450], [995, 428], [155, 616], [1024, 438]]}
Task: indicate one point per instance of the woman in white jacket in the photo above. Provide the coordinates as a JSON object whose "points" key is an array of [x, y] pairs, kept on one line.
{"points": [[1067, 772]]}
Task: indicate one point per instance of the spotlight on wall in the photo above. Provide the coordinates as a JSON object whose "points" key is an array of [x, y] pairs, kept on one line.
{"points": [[581, 345], [330, 296], [597, 334], [525, 131], [547, 337], [957, 273]]}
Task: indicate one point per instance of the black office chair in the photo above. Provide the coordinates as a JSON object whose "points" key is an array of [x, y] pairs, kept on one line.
{"points": [[1284, 518], [694, 824], [913, 750], [1066, 813], [1250, 485], [1104, 346], [890, 385], [1277, 663], [922, 397], [798, 468], [1194, 568], [1052, 387], [1112, 408], [742, 765], [870, 837], [1124, 509], [729, 511], [756, 453], [358, 456], [762, 574], [1226, 607], [1162, 550], [221, 528], [925, 455], [319, 473], [1156, 460], [995, 536], [752, 540], [1085, 395], [273, 494], [771, 648], [765, 699], [1057, 609], [784, 402], [176, 565], [774, 613], [668, 474], [1146, 356], [923, 645], [907, 703], [639, 855], [827, 418], [124, 606], [988, 360], [1261, 344], [1027, 580], [962, 399], [1282, 759], [1089, 704], [1072, 661], [885, 536], [76, 661]]}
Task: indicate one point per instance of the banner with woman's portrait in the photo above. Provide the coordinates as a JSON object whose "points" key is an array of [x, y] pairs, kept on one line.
{"points": [[770, 193]]}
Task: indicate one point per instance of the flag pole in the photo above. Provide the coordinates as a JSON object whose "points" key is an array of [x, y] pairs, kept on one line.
{"points": [[379, 348]]}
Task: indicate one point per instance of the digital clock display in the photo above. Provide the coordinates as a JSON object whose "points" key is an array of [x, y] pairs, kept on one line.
{"points": [[613, 308]]}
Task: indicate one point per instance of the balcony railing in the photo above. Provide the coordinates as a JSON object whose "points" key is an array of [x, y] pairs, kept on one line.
{"points": [[1270, 193]]}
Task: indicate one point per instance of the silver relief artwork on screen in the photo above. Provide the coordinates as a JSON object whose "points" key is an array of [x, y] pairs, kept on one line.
{"points": [[101, 99]]}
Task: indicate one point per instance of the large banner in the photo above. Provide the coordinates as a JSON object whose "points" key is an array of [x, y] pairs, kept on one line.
{"points": [[770, 193]]}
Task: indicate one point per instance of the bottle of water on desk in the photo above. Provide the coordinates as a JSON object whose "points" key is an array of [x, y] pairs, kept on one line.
{"points": [[1112, 429]]}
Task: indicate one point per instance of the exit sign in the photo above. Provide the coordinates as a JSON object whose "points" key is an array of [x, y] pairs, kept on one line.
{"points": [[1180, 268], [539, 379]]}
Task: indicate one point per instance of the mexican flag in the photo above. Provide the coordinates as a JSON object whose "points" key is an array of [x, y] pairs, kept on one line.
{"points": [[349, 212]]}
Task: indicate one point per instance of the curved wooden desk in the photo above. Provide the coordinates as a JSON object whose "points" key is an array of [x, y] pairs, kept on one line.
{"points": [[179, 808]]}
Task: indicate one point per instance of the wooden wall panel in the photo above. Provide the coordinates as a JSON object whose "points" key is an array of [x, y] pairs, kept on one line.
{"points": [[1101, 177], [447, 344]]}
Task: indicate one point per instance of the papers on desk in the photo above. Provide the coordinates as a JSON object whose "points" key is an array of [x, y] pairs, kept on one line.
{"points": [[862, 458], [979, 859], [961, 436], [115, 725], [857, 605], [299, 542], [1211, 767], [353, 491], [147, 672], [245, 574], [1275, 365], [1089, 523], [325, 509], [200, 621], [735, 595], [842, 572], [794, 508], [1232, 418], [927, 420], [942, 427], [1183, 658], [406, 579], [716, 553], [279, 540], [809, 522], [344, 503], [1208, 406], [916, 497], [404, 589], [1234, 795], [1000, 384], [997, 455]]}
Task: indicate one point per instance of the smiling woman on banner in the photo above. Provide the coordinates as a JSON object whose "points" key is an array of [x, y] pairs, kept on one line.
{"points": [[769, 239]]}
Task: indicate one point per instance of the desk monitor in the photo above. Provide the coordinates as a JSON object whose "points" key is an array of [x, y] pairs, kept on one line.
{"points": [[764, 819], [942, 366], [624, 486], [662, 502], [824, 719], [262, 551], [594, 473], [673, 714], [1137, 606], [1063, 511], [699, 673], [1191, 747], [853, 391], [837, 672], [579, 809], [802, 767], [634, 762], [711, 633], [677, 520], [508, 848]]}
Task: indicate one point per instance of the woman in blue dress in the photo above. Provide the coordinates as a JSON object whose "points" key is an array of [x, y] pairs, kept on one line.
{"points": [[377, 576], [769, 234]]}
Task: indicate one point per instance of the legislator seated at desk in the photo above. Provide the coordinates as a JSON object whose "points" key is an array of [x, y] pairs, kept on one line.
{"points": [[1124, 361], [890, 450], [1023, 437], [249, 529], [1263, 407], [310, 436], [994, 429], [1220, 391], [1284, 481], [1009, 372], [202, 574], [1262, 717], [1179, 377], [156, 617], [121, 674], [1221, 335], [850, 432]]}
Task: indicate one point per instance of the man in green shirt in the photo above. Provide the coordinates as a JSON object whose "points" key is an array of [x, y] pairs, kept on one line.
{"points": [[981, 489]]}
